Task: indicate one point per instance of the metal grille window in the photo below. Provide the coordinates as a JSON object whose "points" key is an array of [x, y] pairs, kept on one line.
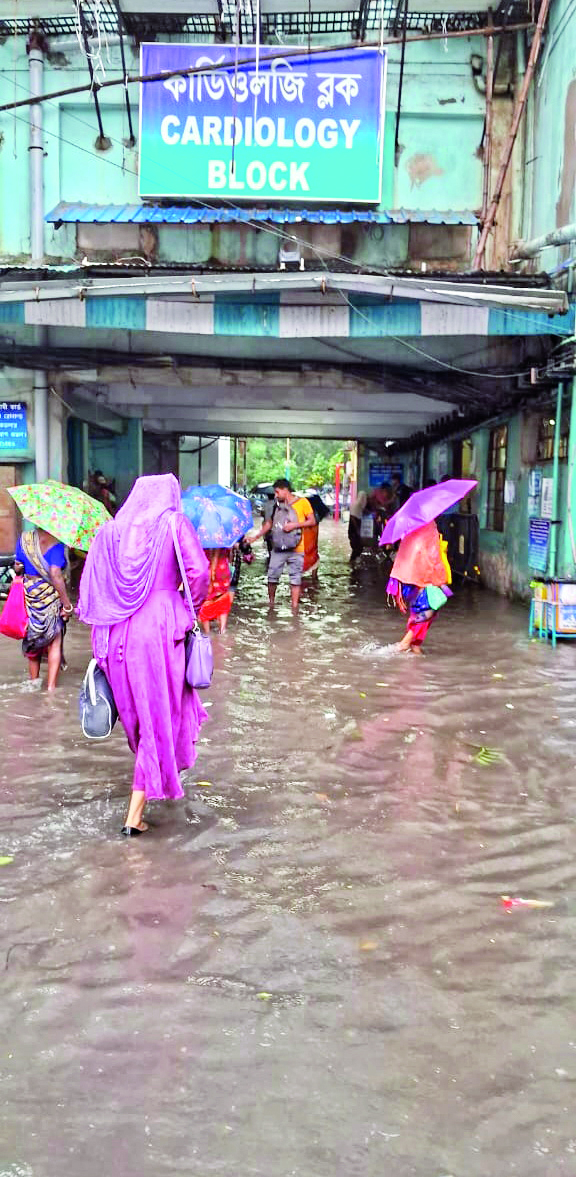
{"points": [[545, 442], [496, 478]]}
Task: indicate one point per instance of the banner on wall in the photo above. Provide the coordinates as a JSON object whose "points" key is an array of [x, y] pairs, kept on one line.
{"points": [[13, 426], [309, 128], [379, 472], [538, 544]]}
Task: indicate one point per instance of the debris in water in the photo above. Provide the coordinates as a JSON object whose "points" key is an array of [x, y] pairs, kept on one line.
{"points": [[5, 860], [204, 784], [368, 945], [510, 706], [509, 901], [265, 996], [321, 796], [485, 755]]}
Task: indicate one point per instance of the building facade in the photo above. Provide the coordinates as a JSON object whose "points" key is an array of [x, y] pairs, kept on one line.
{"points": [[129, 322]]}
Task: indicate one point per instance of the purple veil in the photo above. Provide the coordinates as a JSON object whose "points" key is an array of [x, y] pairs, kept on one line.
{"points": [[123, 558]]}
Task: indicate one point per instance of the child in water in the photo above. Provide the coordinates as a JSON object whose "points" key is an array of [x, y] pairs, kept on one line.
{"points": [[419, 583], [218, 603]]}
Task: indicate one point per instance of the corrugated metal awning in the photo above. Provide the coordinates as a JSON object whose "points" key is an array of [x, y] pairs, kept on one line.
{"points": [[181, 214]]}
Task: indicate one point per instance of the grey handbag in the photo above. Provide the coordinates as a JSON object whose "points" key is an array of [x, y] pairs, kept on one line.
{"points": [[98, 711], [199, 656]]}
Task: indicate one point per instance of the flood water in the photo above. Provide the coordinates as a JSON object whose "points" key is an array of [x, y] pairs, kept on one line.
{"points": [[305, 969]]}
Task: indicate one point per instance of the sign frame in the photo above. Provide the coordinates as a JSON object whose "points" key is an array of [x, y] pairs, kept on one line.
{"points": [[231, 192], [379, 472], [538, 544], [21, 441]]}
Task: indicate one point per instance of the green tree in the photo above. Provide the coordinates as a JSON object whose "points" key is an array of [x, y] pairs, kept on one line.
{"points": [[312, 462]]}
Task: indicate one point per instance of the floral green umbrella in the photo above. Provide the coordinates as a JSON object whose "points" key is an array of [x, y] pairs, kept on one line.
{"points": [[66, 512]]}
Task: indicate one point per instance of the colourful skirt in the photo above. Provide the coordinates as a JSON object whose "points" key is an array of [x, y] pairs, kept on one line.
{"points": [[219, 607]]}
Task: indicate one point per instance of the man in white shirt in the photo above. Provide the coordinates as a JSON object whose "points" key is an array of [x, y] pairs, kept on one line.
{"points": [[357, 510]]}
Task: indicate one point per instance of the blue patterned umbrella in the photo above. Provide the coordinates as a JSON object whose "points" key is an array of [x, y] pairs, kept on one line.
{"points": [[220, 516]]}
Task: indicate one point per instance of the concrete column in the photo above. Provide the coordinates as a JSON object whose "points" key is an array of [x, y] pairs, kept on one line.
{"points": [[41, 425], [36, 176], [85, 460], [555, 523], [224, 461], [570, 531], [130, 458]]}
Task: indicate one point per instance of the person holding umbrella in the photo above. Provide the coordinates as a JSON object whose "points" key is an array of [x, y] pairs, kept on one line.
{"points": [[63, 515], [221, 519], [218, 603], [421, 575], [41, 560]]}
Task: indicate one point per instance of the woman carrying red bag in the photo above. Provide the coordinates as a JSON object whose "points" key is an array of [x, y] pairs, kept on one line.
{"points": [[41, 558]]}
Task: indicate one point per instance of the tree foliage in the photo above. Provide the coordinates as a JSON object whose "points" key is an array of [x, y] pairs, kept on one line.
{"points": [[312, 463]]}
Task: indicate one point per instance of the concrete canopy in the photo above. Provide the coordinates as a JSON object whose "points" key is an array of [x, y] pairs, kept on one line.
{"points": [[376, 358]]}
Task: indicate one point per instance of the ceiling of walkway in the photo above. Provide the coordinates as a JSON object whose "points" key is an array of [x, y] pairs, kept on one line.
{"points": [[306, 364], [359, 19]]}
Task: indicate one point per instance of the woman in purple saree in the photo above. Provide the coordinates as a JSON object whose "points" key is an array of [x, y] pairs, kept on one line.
{"points": [[129, 595]]}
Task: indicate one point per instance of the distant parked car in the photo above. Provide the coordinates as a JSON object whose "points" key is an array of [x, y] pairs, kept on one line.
{"points": [[261, 494]]}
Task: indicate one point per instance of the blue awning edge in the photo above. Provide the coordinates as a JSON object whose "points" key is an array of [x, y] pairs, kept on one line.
{"points": [[180, 214]]}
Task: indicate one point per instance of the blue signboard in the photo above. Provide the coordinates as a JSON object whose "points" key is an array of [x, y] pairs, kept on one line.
{"points": [[538, 543], [380, 472], [13, 426], [265, 125]]}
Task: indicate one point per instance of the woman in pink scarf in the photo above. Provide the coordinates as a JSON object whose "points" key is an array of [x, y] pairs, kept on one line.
{"points": [[129, 595]]}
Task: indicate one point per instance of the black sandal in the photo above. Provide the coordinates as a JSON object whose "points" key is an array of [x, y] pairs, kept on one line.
{"points": [[131, 831]]}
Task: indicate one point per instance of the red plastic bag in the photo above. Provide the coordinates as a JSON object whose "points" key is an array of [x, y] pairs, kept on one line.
{"points": [[14, 619]]}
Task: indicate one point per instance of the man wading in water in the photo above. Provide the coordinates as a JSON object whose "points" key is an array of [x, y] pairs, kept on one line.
{"points": [[291, 515]]}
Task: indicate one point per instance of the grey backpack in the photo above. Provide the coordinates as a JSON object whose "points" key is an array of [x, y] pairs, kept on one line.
{"points": [[284, 541]]}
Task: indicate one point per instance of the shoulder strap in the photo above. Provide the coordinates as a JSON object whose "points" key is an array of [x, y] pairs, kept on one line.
{"points": [[187, 592]]}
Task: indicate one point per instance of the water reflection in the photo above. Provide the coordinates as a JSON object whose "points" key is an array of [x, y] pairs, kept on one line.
{"points": [[306, 969]]}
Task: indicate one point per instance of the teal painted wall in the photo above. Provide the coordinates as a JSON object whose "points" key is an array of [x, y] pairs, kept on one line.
{"points": [[503, 556], [551, 145], [438, 167]]}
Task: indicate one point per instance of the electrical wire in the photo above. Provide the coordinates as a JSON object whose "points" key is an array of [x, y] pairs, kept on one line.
{"points": [[282, 235], [519, 316], [321, 255], [289, 53]]}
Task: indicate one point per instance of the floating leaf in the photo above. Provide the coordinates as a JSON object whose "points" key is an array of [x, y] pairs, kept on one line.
{"points": [[497, 676], [321, 796], [204, 784], [362, 694], [368, 945], [487, 755], [6, 860], [265, 996]]}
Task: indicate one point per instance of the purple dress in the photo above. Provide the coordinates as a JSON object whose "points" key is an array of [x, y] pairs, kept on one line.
{"points": [[145, 667]]}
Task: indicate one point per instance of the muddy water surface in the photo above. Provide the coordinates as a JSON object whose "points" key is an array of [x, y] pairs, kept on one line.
{"points": [[305, 969]]}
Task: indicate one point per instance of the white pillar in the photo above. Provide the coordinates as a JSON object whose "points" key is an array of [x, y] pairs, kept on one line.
{"points": [[41, 425], [224, 461], [36, 80]]}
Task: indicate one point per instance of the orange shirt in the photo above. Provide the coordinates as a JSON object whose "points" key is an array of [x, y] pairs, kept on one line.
{"points": [[303, 509]]}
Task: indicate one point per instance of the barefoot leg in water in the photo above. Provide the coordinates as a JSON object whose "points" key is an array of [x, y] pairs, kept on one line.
{"points": [[414, 637]]}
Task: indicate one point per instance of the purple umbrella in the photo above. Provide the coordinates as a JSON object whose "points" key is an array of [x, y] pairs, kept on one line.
{"points": [[424, 506]]}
